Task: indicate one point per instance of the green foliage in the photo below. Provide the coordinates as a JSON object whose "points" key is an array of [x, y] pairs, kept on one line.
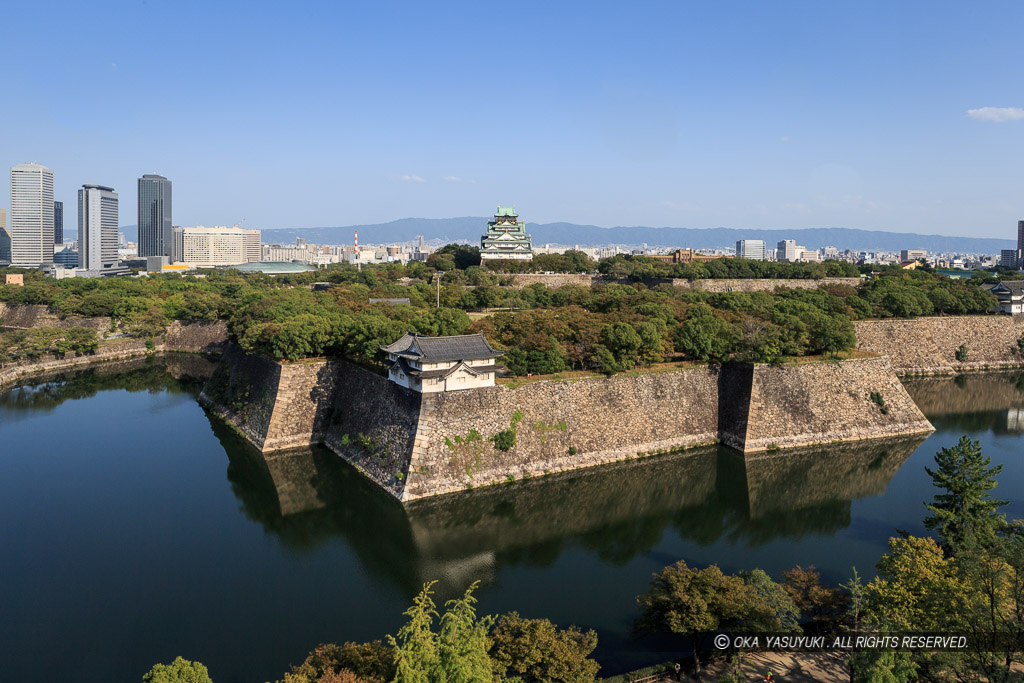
{"points": [[882, 667], [505, 439], [535, 650], [372, 662], [962, 353], [823, 604], [965, 511], [776, 597], [696, 602], [705, 336], [179, 671], [455, 653], [27, 345]]}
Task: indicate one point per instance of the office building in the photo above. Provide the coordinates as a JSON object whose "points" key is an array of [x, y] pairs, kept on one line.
{"points": [[204, 247], [750, 249], [65, 255], [785, 251], [913, 255], [5, 239], [58, 224], [1009, 258], [97, 227], [31, 215], [154, 219]]}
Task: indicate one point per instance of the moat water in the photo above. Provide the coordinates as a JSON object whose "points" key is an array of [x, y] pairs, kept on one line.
{"points": [[134, 527]]}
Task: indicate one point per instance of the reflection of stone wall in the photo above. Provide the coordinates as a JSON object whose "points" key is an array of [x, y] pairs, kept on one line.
{"points": [[797, 405], [808, 477], [763, 285], [993, 392], [928, 345]]}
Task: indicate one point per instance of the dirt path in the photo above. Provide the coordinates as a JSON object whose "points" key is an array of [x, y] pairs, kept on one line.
{"points": [[829, 667]]}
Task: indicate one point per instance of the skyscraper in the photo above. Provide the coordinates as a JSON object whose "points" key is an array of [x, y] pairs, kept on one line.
{"points": [[58, 223], [31, 215], [750, 249], [97, 227], [1020, 244], [155, 237], [5, 239]]}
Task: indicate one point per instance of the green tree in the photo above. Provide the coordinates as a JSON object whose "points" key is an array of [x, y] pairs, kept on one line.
{"points": [[784, 612], [535, 651], [965, 511], [704, 336], [697, 602], [455, 653], [372, 662], [179, 671]]}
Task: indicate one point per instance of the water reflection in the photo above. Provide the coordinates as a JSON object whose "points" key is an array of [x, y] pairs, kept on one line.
{"points": [[309, 496], [174, 373], [972, 403]]}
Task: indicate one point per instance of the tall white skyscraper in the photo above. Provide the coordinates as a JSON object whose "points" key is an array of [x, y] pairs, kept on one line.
{"points": [[5, 239], [97, 227], [31, 215]]}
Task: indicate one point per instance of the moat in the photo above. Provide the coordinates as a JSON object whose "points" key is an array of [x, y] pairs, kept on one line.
{"points": [[135, 527]]}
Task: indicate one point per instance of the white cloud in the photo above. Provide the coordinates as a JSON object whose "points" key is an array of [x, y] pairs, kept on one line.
{"points": [[457, 179], [785, 138], [409, 178], [996, 114]]}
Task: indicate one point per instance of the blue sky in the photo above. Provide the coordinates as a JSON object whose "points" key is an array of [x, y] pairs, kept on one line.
{"points": [[734, 114]]}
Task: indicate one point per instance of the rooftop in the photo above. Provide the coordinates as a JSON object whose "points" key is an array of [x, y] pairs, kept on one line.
{"points": [[442, 349], [506, 211]]}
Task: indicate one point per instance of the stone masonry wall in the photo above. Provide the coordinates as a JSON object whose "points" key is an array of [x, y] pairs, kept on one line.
{"points": [[24, 317], [243, 390], [549, 280], [416, 446], [798, 405], [374, 425], [929, 345], [604, 420], [763, 285]]}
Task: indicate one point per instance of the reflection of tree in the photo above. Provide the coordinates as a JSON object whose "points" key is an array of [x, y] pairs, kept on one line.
{"points": [[972, 403], [174, 373]]}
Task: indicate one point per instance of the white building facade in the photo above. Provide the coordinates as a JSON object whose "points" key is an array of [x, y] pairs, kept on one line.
{"points": [[31, 230], [436, 364], [203, 247], [97, 227], [751, 249]]}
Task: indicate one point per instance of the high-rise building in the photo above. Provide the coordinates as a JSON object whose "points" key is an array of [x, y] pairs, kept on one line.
{"points": [[1008, 258], [58, 223], [785, 251], [209, 247], [5, 239], [31, 215], [913, 254], [154, 220], [750, 249], [97, 227]]}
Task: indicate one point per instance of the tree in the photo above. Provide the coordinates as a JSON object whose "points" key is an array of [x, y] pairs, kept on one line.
{"points": [[965, 511], [372, 662], [179, 671], [704, 336], [785, 615], [697, 602], [823, 604], [535, 650], [456, 653], [917, 588]]}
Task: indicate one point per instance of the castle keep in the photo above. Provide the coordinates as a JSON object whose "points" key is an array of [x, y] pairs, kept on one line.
{"points": [[506, 237]]}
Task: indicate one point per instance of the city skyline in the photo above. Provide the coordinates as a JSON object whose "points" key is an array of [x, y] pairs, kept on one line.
{"points": [[868, 116]]}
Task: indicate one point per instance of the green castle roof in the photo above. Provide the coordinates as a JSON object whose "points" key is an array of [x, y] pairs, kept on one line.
{"points": [[506, 211]]}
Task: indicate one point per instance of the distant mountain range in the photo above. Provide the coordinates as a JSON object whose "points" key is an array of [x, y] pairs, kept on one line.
{"points": [[571, 234]]}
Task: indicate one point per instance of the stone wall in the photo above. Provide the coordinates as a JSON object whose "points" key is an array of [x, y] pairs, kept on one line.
{"points": [[811, 403], [549, 280], [967, 394], [601, 419], [763, 285], [929, 345], [24, 317], [416, 446]]}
